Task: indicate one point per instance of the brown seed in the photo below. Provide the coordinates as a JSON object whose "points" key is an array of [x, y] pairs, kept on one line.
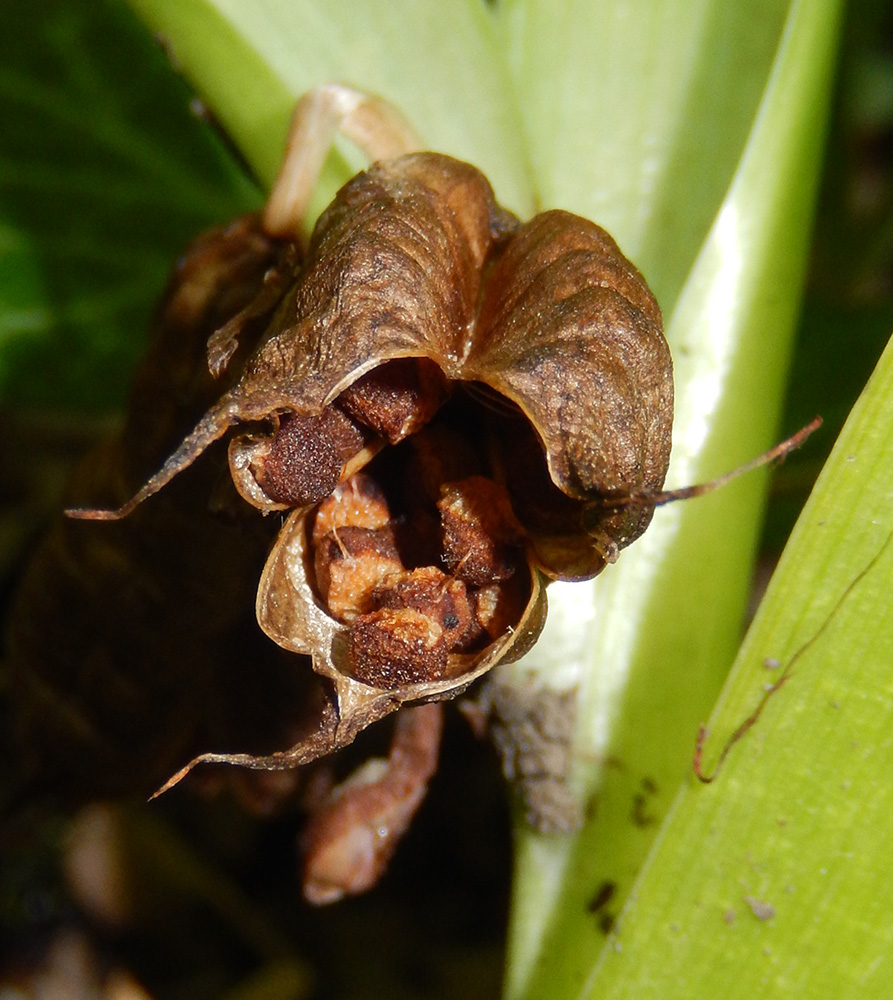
{"points": [[359, 502], [350, 563], [439, 454], [307, 456], [499, 606], [481, 535], [391, 648], [397, 398], [442, 598], [415, 259]]}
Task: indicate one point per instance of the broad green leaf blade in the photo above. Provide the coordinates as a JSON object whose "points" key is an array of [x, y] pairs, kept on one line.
{"points": [[776, 880], [104, 175], [637, 113], [437, 62], [651, 649]]}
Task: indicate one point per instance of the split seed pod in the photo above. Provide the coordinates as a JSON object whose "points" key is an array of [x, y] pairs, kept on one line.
{"points": [[536, 346]]}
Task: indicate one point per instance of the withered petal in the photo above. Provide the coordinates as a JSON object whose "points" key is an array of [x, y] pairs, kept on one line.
{"points": [[569, 331], [394, 270]]}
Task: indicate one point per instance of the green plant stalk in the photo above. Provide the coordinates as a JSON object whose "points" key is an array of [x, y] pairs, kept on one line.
{"points": [[653, 652]]}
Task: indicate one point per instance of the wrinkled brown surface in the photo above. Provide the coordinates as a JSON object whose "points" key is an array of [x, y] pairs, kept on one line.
{"points": [[569, 331], [564, 327], [394, 270], [290, 613]]}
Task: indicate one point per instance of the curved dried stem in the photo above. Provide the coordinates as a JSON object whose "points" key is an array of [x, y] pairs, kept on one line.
{"points": [[370, 122]]}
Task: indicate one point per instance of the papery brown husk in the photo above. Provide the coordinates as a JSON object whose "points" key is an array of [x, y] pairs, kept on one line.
{"points": [[414, 258], [569, 331]]}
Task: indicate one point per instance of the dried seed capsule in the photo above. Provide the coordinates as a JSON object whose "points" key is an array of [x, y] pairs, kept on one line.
{"points": [[415, 259], [442, 598], [307, 456], [416, 281], [391, 648], [358, 502], [350, 563], [396, 399], [481, 535]]}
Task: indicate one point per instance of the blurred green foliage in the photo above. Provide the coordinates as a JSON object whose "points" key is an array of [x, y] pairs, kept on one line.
{"points": [[105, 174]]}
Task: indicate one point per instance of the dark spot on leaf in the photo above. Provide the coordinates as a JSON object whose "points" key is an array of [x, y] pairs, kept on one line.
{"points": [[603, 895]]}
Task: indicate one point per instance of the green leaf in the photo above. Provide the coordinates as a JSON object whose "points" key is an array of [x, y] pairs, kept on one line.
{"points": [[647, 650], [636, 114], [438, 62], [798, 816], [105, 177]]}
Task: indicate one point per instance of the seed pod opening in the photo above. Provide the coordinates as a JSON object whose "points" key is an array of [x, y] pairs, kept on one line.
{"points": [[380, 607]]}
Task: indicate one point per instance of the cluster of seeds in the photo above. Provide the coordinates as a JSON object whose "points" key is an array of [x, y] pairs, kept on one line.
{"points": [[419, 552]]}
